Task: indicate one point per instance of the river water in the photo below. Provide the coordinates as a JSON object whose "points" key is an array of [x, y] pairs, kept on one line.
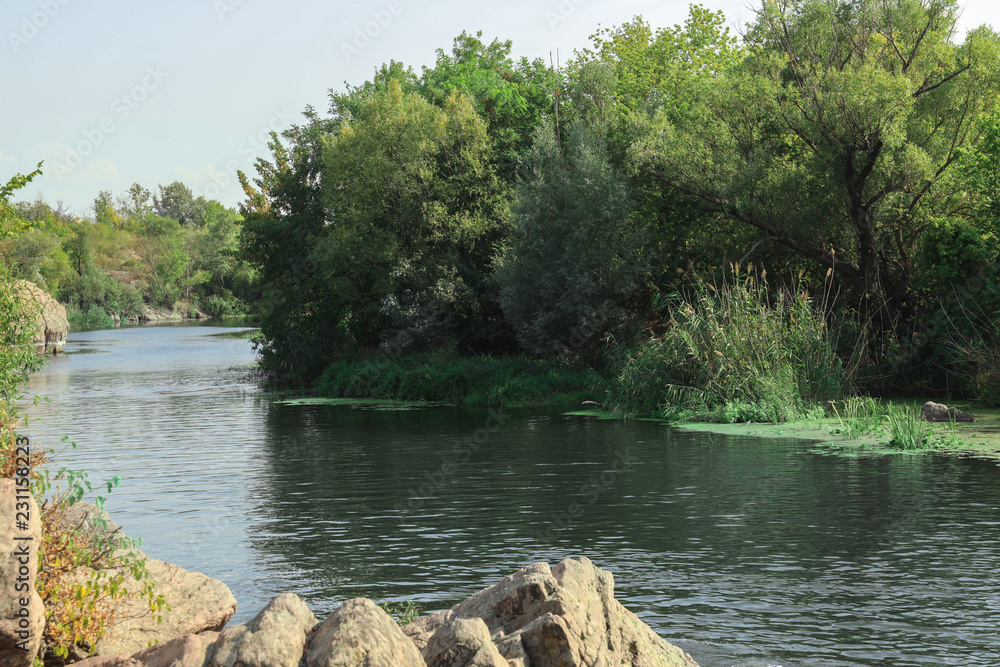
{"points": [[743, 551]]}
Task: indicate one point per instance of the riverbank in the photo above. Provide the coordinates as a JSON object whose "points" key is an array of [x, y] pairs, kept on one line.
{"points": [[479, 380], [980, 438]]}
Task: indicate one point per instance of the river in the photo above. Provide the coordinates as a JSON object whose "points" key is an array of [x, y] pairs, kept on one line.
{"points": [[743, 551]]}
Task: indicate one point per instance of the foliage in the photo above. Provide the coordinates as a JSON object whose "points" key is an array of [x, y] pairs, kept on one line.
{"points": [[862, 416], [79, 610], [731, 353], [84, 571], [574, 257], [403, 613], [664, 63], [837, 136], [469, 380], [511, 97], [906, 427]]}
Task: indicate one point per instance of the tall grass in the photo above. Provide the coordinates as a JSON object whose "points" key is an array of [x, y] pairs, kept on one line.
{"points": [[469, 380], [906, 427], [862, 416], [734, 352]]}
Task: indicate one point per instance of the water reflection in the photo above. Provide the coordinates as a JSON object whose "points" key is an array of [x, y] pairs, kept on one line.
{"points": [[743, 551]]}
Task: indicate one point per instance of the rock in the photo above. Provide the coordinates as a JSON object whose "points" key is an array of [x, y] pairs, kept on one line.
{"points": [[567, 616], [51, 325], [360, 633], [462, 642], [22, 615], [422, 629], [110, 661], [936, 412], [198, 603], [187, 651], [150, 314], [275, 637]]}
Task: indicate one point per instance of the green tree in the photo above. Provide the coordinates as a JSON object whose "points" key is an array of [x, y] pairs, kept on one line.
{"points": [[574, 258], [511, 96], [176, 201], [837, 136], [665, 62], [414, 208]]}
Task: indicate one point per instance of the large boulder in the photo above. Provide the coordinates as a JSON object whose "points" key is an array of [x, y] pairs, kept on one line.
{"points": [[187, 651], [22, 615], [564, 616], [198, 603], [937, 412], [359, 632], [463, 642], [51, 325], [275, 637]]}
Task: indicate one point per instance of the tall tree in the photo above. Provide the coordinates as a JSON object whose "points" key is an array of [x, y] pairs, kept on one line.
{"points": [[837, 135]]}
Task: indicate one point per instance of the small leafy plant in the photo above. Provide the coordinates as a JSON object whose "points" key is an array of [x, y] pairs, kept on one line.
{"points": [[404, 612]]}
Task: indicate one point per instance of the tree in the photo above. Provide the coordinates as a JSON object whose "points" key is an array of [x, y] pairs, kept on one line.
{"points": [[510, 96], [665, 62], [414, 207], [574, 258], [178, 202], [837, 136], [10, 223]]}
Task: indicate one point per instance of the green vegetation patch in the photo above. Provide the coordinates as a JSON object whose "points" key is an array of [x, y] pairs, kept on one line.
{"points": [[362, 403], [245, 334], [602, 415], [478, 380], [898, 431]]}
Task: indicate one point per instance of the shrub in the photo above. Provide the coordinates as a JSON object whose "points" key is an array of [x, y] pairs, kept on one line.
{"points": [[906, 427], [733, 353]]}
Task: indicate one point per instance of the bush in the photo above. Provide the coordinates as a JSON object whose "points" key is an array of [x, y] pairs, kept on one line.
{"points": [[733, 353], [94, 316], [575, 255], [219, 306], [470, 380]]}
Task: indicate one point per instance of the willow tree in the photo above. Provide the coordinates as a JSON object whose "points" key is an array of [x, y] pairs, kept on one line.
{"points": [[837, 135]]}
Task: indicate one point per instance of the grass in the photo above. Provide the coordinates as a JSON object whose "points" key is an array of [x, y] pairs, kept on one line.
{"points": [[906, 427], [480, 380], [737, 352], [862, 416]]}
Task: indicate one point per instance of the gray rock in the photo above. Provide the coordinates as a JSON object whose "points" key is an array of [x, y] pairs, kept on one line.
{"points": [[463, 642], [568, 616], [361, 633], [22, 615], [187, 651], [51, 325], [275, 637], [198, 602], [110, 661], [422, 629], [937, 412]]}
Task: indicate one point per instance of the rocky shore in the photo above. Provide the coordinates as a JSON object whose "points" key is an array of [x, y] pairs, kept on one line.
{"points": [[565, 615]]}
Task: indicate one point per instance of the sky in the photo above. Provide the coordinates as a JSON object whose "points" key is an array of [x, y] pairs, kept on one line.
{"points": [[114, 92]]}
